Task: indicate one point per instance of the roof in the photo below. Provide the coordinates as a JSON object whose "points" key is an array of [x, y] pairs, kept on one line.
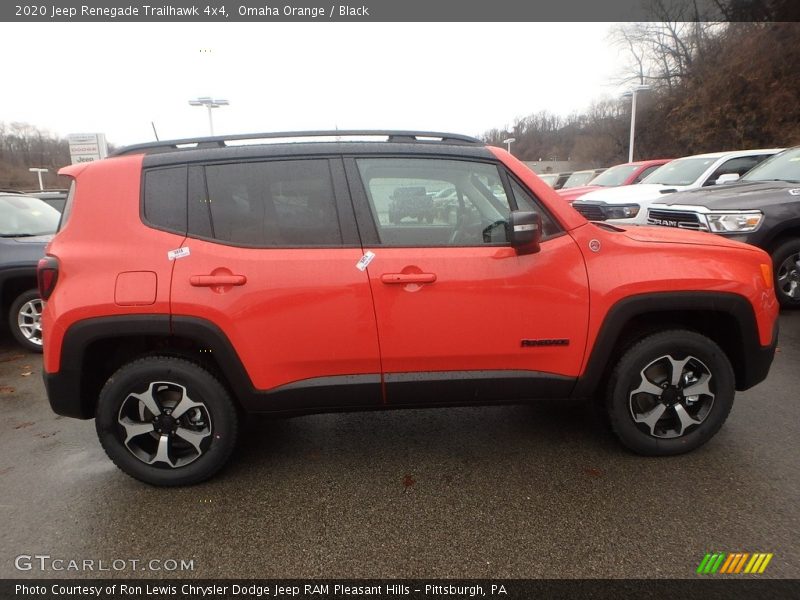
{"points": [[735, 153]]}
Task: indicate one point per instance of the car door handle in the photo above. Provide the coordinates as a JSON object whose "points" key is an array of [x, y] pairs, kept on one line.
{"points": [[217, 280], [403, 278]]}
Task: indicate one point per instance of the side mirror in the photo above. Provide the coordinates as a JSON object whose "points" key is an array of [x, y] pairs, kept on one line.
{"points": [[525, 231], [726, 178]]}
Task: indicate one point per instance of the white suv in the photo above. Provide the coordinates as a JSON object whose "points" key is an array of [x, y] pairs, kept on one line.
{"points": [[628, 205]]}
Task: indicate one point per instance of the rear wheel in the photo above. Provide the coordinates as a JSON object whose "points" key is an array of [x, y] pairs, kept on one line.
{"points": [[786, 265], [166, 421], [25, 320], [670, 393]]}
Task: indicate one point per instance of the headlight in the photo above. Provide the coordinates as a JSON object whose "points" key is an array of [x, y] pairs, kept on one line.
{"points": [[739, 222], [621, 211]]}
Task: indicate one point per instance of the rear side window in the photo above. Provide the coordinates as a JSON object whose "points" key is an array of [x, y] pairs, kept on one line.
{"points": [[165, 198], [286, 203]]}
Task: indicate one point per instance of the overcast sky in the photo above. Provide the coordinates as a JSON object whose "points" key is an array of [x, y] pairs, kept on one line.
{"points": [[467, 77]]}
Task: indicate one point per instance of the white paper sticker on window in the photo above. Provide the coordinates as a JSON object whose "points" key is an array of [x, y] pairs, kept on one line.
{"points": [[362, 264]]}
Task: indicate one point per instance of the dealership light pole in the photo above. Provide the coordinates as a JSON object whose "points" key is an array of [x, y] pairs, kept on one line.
{"points": [[632, 94], [508, 142], [39, 172], [209, 103]]}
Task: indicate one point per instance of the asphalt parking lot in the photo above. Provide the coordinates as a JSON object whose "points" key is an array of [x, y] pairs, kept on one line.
{"points": [[498, 492]]}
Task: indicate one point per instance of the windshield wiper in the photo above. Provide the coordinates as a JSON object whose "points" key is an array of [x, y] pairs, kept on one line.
{"points": [[776, 179]]}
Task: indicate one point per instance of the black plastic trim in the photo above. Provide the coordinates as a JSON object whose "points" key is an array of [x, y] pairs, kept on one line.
{"points": [[23, 271], [757, 359], [442, 388], [64, 387]]}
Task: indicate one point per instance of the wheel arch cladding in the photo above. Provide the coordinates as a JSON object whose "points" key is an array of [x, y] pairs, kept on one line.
{"points": [[726, 318]]}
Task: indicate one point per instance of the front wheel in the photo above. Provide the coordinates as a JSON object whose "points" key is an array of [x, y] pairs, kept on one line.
{"points": [[25, 320], [670, 393], [166, 421], [786, 265]]}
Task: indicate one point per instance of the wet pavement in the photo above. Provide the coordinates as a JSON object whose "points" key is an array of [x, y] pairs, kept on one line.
{"points": [[523, 491]]}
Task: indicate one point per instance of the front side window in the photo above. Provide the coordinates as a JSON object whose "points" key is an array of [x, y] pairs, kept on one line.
{"points": [[285, 203], [646, 173], [526, 202], [435, 202], [739, 166]]}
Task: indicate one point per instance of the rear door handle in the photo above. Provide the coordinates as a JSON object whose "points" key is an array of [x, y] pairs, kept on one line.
{"points": [[404, 278], [217, 280]]}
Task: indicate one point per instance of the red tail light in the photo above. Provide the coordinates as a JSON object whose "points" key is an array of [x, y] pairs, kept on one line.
{"points": [[47, 275]]}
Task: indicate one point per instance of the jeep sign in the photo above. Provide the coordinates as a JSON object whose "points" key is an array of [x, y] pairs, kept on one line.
{"points": [[87, 147]]}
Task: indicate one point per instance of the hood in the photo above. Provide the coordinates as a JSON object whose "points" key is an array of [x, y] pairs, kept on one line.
{"points": [[669, 235], [633, 193], [571, 194], [737, 196]]}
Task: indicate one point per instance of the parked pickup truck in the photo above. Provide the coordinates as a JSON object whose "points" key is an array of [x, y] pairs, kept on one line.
{"points": [[762, 209]]}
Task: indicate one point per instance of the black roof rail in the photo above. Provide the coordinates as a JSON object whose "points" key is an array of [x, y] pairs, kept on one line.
{"points": [[219, 141]]}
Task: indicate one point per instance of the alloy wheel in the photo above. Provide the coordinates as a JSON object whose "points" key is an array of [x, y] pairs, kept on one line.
{"points": [[673, 396], [29, 320], [163, 426]]}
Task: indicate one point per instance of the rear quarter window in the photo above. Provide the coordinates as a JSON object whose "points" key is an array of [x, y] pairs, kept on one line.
{"points": [[164, 204]]}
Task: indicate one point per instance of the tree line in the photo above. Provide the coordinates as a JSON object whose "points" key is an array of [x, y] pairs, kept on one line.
{"points": [[713, 87], [23, 146]]}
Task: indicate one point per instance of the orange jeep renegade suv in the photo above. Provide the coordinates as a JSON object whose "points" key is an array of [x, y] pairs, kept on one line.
{"points": [[197, 280]]}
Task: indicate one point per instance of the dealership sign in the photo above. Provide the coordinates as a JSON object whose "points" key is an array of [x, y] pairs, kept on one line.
{"points": [[87, 147]]}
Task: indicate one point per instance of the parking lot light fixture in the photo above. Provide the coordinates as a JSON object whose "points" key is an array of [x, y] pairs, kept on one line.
{"points": [[508, 142], [39, 172], [209, 103], [632, 94]]}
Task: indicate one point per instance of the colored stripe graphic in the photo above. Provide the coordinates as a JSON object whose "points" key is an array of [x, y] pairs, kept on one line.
{"points": [[764, 564], [734, 563], [732, 559], [741, 563], [718, 563], [703, 563]]}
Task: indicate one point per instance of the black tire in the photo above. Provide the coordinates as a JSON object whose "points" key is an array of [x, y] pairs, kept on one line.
{"points": [[785, 273], [642, 365], [29, 336], [213, 404]]}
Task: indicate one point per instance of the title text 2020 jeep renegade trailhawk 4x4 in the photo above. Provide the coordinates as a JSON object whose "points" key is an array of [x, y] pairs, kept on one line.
{"points": [[190, 283]]}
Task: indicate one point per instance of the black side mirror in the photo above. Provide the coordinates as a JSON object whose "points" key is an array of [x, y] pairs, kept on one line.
{"points": [[525, 231]]}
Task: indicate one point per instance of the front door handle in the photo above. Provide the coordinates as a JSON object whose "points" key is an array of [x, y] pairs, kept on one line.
{"points": [[217, 280], [404, 278]]}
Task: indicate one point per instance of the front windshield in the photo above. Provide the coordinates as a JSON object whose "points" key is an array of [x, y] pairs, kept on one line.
{"points": [[781, 167], [22, 216], [578, 178], [684, 171], [614, 176]]}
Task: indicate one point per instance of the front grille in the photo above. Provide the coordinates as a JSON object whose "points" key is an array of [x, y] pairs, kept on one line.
{"points": [[675, 218], [593, 212]]}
